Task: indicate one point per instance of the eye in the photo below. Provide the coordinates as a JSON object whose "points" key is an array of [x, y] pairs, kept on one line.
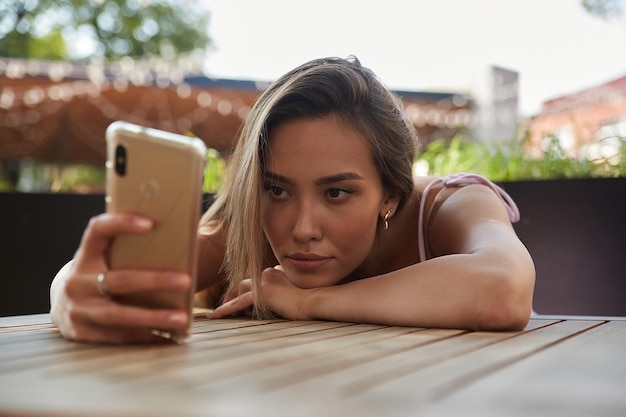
{"points": [[337, 193], [276, 192]]}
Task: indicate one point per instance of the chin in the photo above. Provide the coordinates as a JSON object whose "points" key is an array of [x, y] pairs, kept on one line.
{"points": [[307, 282]]}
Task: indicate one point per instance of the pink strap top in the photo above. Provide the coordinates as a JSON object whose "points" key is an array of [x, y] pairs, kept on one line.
{"points": [[459, 180]]}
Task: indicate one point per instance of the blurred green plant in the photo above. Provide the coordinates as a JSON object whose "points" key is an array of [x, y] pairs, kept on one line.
{"points": [[506, 161], [91, 178], [214, 172], [77, 178], [5, 184], [110, 29], [509, 161], [30, 176], [604, 9]]}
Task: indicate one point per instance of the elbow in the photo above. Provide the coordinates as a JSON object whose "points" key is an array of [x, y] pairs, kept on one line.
{"points": [[505, 317], [507, 305]]}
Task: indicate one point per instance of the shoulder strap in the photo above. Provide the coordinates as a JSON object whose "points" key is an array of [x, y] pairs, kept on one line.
{"points": [[459, 180]]}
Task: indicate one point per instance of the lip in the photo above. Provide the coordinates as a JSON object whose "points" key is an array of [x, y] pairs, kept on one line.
{"points": [[307, 262]]}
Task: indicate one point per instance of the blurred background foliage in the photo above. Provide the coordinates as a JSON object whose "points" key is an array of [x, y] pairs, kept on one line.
{"points": [[96, 29], [81, 178], [604, 9], [506, 161], [509, 161]]}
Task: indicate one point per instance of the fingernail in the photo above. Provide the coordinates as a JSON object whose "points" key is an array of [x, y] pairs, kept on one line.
{"points": [[143, 223], [177, 319]]}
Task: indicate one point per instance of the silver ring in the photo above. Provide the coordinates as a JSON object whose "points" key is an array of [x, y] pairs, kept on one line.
{"points": [[103, 288]]}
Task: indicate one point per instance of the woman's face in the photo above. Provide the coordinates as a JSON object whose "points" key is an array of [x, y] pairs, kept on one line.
{"points": [[323, 198]]}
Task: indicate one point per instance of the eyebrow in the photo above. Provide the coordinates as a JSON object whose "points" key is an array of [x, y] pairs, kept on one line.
{"points": [[331, 179]]}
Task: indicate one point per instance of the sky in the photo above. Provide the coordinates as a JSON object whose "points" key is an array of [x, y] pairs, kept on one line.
{"points": [[423, 45]]}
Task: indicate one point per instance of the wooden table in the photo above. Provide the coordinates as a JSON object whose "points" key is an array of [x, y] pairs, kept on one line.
{"points": [[236, 367]]}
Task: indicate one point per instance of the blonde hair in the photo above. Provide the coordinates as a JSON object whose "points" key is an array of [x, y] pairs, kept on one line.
{"points": [[321, 87]]}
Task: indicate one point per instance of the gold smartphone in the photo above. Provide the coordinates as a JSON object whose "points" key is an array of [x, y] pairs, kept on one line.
{"points": [[159, 175]]}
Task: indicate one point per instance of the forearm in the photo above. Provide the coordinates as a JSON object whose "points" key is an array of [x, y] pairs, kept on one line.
{"points": [[456, 291]]}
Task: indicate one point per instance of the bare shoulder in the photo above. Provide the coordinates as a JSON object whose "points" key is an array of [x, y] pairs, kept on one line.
{"points": [[473, 199], [460, 218]]}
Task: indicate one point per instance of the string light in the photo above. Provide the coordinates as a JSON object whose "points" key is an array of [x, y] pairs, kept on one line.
{"points": [[24, 107], [96, 87]]}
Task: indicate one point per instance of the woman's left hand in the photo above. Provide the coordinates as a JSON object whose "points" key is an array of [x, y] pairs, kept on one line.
{"points": [[279, 294]]}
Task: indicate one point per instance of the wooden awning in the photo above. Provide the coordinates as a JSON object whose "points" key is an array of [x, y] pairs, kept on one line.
{"points": [[60, 114], [64, 122]]}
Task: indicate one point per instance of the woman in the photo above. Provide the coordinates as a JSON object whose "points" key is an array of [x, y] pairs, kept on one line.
{"points": [[320, 218]]}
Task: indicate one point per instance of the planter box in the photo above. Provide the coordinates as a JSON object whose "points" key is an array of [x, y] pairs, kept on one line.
{"points": [[39, 233], [575, 229]]}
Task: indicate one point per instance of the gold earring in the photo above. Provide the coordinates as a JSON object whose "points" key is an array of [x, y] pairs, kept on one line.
{"points": [[386, 219]]}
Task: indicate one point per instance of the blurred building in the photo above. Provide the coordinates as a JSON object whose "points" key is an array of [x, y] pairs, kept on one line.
{"points": [[496, 96], [590, 123]]}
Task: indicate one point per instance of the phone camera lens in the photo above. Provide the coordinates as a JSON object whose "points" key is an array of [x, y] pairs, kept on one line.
{"points": [[120, 160]]}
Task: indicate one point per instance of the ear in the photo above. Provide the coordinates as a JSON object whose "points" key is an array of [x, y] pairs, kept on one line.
{"points": [[391, 200]]}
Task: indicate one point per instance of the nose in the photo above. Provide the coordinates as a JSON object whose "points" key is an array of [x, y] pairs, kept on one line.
{"points": [[306, 225]]}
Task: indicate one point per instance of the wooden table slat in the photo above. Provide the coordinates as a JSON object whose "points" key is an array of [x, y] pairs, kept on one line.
{"points": [[584, 375], [11, 322], [389, 364], [58, 355], [190, 358], [240, 367], [439, 378]]}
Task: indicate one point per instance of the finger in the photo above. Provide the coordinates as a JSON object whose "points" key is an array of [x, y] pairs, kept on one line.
{"points": [[103, 228], [233, 306], [113, 335], [107, 313], [124, 282]]}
